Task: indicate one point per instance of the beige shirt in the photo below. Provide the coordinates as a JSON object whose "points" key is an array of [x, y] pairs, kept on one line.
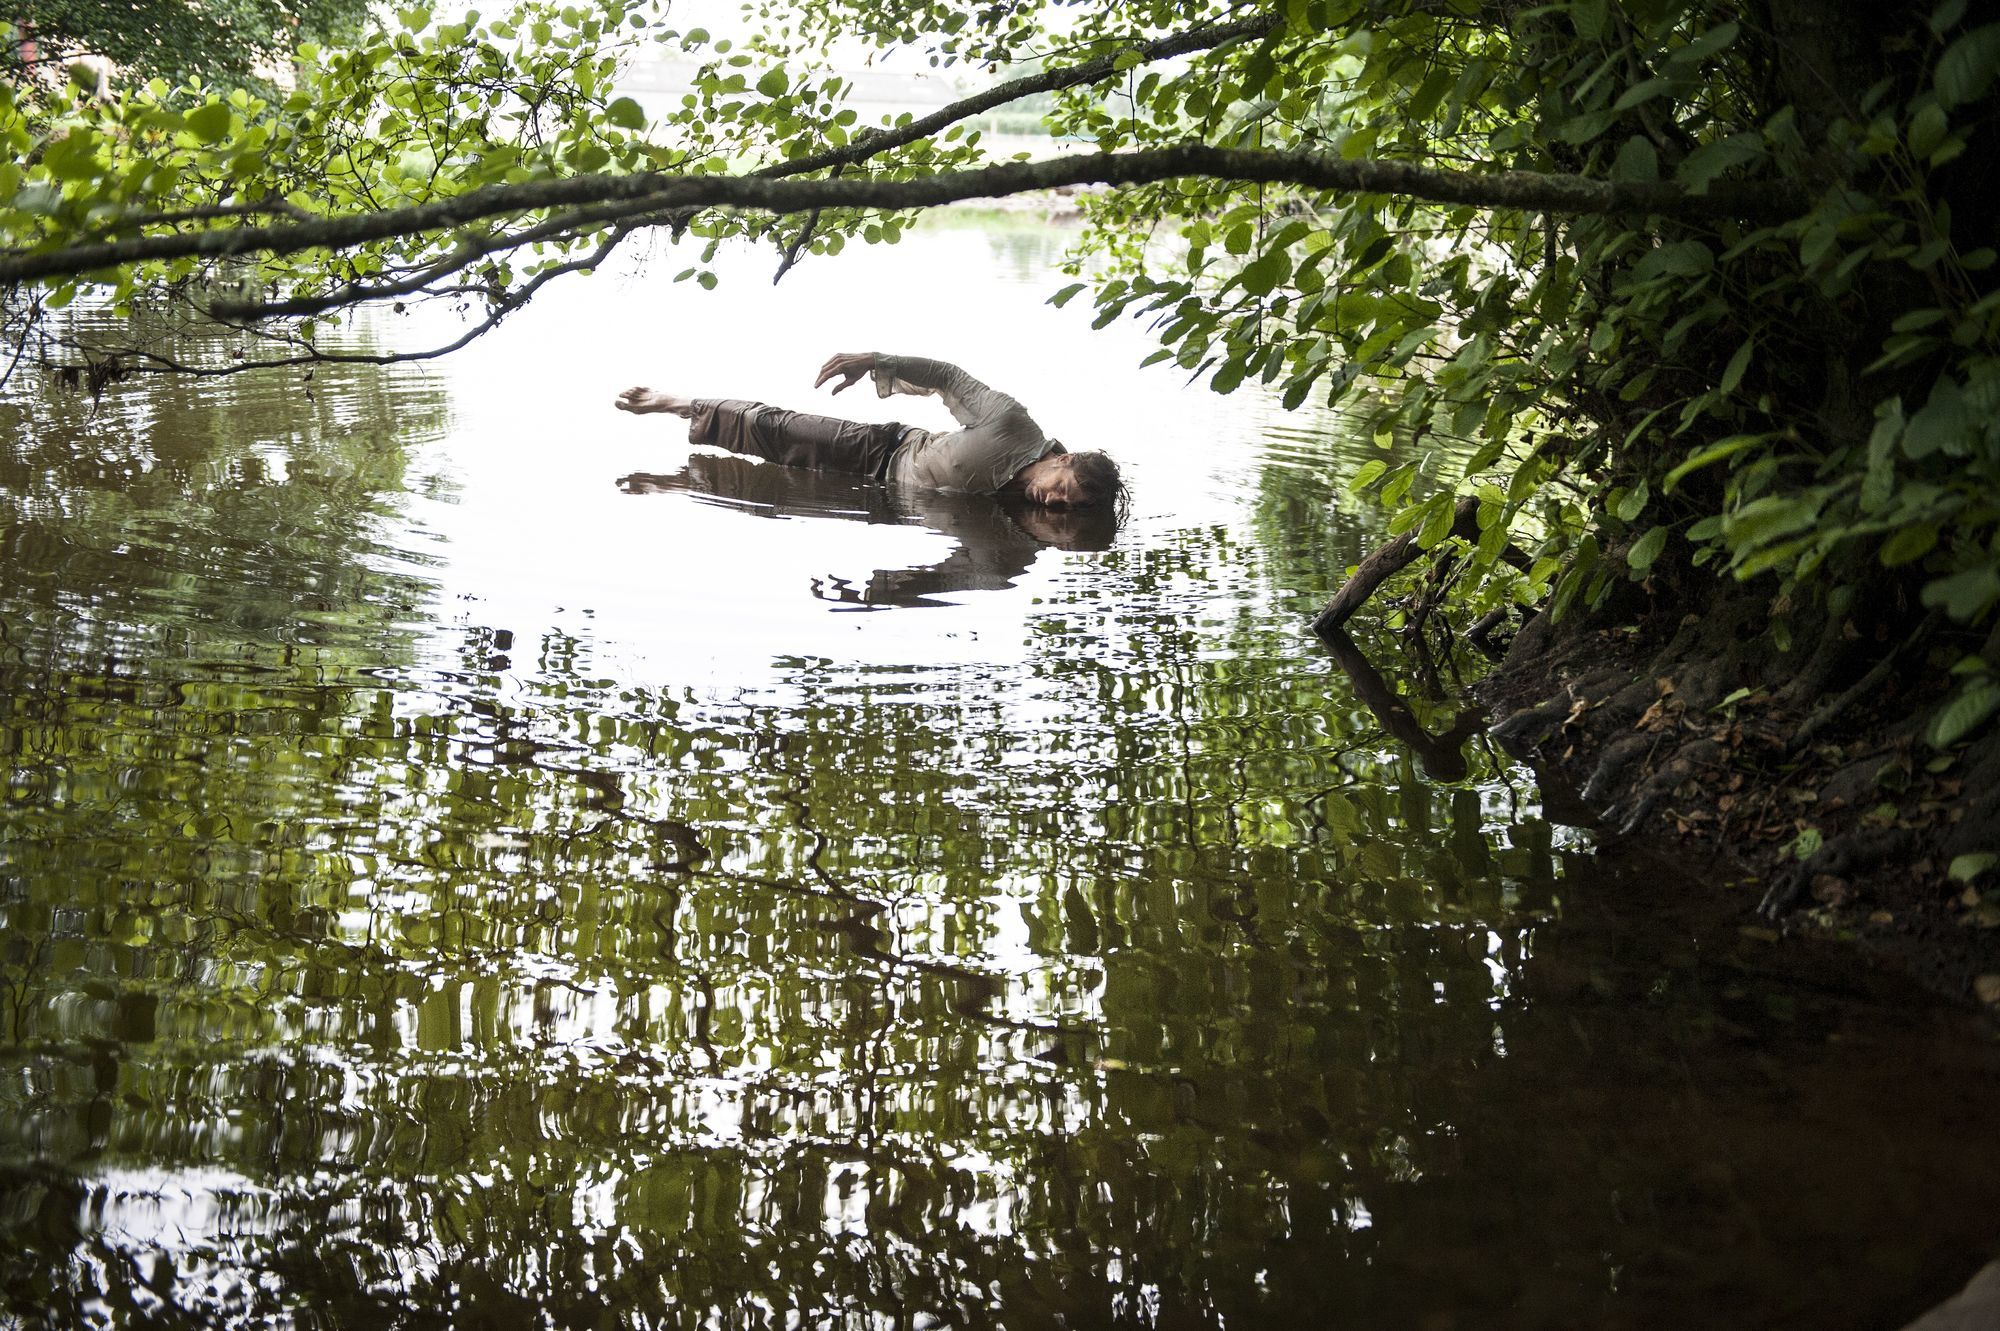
{"points": [[999, 437]]}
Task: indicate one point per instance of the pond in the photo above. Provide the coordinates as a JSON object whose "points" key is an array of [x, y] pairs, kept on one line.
{"points": [[466, 859]]}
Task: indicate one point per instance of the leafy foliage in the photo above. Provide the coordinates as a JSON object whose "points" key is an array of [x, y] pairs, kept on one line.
{"points": [[226, 42], [1669, 284], [1626, 381]]}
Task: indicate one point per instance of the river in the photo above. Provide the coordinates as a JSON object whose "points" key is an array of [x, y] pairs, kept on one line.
{"points": [[465, 859]]}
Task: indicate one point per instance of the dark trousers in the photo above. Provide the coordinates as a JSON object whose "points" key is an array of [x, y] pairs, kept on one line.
{"points": [[795, 439]]}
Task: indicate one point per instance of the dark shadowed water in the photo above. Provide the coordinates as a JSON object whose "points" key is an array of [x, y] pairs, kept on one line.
{"points": [[465, 861]]}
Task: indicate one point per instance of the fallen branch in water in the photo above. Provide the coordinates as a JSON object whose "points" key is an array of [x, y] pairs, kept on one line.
{"points": [[1399, 554], [1385, 563]]}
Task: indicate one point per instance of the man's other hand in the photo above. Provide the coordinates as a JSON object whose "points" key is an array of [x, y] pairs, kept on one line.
{"points": [[846, 366]]}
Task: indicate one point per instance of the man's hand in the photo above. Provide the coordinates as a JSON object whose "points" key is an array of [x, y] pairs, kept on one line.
{"points": [[846, 366], [645, 401]]}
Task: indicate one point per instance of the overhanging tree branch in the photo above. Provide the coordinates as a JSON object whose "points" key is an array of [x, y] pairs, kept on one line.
{"points": [[1525, 191], [864, 146]]}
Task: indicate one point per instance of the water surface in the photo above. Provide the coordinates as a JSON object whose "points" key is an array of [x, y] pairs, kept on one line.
{"points": [[465, 860]]}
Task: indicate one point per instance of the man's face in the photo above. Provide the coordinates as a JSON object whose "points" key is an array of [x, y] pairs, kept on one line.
{"points": [[1054, 484]]}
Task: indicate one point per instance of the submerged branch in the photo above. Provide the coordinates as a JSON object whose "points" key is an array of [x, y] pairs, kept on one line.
{"points": [[1390, 559]]}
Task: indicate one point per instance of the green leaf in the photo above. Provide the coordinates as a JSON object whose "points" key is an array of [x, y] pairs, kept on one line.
{"points": [[1707, 529], [1910, 543], [1367, 474], [1764, 520], [1927, 129], [1066, 295], [1968, 709], [1717, 38], [1732, 375], [1399, 482], [1438, 521], [1635, 501], [1637, 160], [775, 82], [1681, 258], [1581, 129], [1968, 66], [73, 157], [1264, 273], [1965, 868], [1711, 455], [1646, 550], [1372, 255], [1431, 92], [626, 114], [1966, 594], [210, 122], [1644, 91], [1710, 160], [1943, 425]]}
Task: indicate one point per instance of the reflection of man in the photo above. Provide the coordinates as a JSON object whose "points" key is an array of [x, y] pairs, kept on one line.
{"points": [[994, 540], [1000, 450]]}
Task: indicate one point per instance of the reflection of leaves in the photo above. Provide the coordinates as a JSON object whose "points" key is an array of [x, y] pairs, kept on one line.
{"points": [[498, 966]]}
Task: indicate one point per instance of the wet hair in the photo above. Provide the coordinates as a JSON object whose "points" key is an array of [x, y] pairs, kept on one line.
{"points": [[1097, 476]]}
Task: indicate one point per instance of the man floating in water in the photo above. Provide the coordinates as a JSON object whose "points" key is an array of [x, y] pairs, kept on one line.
{"points": [[1000, 451]]}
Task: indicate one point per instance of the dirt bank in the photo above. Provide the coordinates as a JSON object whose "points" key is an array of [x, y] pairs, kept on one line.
{"points": [[1800, 784]]}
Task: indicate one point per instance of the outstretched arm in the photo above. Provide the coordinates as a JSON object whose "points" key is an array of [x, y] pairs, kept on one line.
{"points": [[969, 401]]}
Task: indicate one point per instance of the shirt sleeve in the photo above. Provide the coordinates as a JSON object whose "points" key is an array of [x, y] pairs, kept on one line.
{"points": [[970, 402]]}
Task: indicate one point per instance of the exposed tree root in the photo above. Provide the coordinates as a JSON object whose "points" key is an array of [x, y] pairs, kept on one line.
{"points": [[1697, 726], [1832, 711], [1840, 858], [1806, 771]]}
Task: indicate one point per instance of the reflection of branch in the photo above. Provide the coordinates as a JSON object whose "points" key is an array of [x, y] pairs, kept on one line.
{"points": [[153, 361], [866, 938], [470, 250], [29, 317], [1442, 756]]}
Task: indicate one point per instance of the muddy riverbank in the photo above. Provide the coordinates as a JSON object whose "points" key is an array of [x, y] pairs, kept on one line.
{"points": [[1807, 812]]}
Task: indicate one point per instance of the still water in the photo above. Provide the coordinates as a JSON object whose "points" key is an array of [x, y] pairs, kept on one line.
{"points": [[465, 860]]}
